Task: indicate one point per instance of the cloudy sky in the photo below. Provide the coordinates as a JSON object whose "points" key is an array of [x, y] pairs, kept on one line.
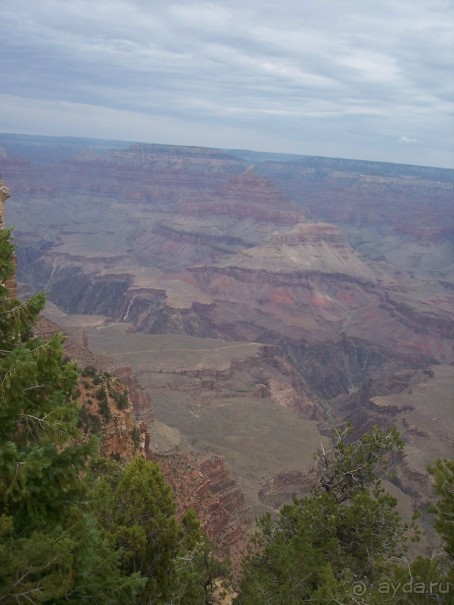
{"points": [[362, 79]]}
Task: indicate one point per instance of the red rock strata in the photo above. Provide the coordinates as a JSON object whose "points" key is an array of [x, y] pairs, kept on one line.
{"points": [[205, 484]]}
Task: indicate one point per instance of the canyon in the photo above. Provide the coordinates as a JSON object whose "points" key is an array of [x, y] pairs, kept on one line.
{"points": [[258, 300]]}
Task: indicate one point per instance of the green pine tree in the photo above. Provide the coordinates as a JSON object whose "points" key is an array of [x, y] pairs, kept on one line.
{"points": [[137, 511], [443, 474], [425, 581], [52, 549], [322, 547]]}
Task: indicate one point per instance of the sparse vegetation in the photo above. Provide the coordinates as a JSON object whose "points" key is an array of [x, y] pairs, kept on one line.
{"points": [[104, 410], [135, 436], [121, 399], [90, 423], [89, 371], [101, 394]]}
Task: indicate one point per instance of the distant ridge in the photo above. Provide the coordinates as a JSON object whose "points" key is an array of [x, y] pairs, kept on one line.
{"points": [[44, 149]]}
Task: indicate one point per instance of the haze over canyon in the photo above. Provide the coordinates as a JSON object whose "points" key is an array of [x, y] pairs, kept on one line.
{"points": [[259, 298]]}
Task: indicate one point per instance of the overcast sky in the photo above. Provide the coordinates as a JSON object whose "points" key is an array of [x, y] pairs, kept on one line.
{"points": [[368, 79]]}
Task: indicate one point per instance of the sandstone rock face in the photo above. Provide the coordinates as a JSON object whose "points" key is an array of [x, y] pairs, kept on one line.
{"points": [[141, 402], [11, 285], [4, 195], [122, 437], [206, 485]]}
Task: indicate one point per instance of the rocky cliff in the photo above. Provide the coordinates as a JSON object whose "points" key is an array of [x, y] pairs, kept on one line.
{"points": [[11, 284], [205, 484], [4, 195]]}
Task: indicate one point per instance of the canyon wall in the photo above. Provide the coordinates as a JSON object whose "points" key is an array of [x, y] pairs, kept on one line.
{"points": [[340, 272]]}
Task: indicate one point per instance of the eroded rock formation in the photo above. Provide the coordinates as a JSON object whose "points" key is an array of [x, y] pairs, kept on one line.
{"points": [[4, 195], [205, 484], [11, 284]]}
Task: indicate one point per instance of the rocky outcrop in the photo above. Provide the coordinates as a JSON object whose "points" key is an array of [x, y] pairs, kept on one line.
{"points": [[314, 248], [4, 195], [205, 484], [11, 284], [141, 401], [123, 434], [107, 410]]}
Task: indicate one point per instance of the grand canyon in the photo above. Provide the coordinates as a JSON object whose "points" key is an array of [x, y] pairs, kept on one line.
{"points": [[251, 301]]}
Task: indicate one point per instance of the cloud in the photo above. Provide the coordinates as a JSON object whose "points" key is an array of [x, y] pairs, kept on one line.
{"points": [[407, 141], [350, 74]]}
